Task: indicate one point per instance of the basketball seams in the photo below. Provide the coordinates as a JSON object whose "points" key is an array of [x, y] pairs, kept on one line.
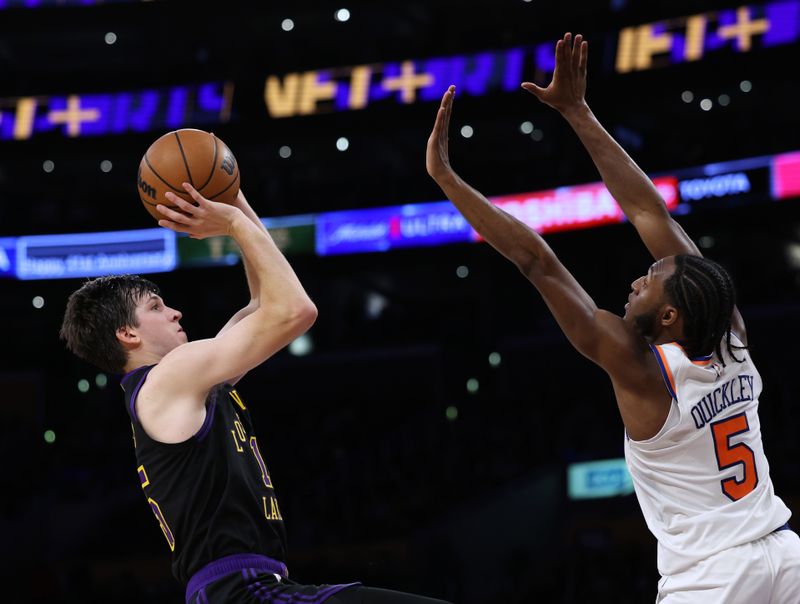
{"points": [[183, 155], [157, 175], [213, 163], [230, 184]]}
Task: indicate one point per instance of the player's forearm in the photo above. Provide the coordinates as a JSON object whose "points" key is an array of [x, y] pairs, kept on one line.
{"points": [[503, 232], [250, 273], [627, 183], [278, 286]]}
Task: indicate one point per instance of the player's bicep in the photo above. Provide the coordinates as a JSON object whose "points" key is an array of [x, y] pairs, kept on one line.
{"points": [[202, 364]]}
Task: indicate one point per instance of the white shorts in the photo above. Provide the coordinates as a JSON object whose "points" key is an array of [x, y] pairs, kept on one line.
{"points": [[766, 571]]}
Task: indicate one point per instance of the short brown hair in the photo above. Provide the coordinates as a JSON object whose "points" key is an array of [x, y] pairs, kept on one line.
{"points": [[94, 314]]}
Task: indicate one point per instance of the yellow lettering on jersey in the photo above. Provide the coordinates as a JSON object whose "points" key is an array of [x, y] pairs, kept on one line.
{"points": [[273, 512], [237, 399], [143, 476], [239, 435], [236, 442], [240, 430], [162, 522]]}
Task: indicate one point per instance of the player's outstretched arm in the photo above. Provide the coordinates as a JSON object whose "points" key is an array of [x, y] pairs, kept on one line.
{"points": [[633, 190], [283, 313], [627, 183], [506, 234], [597, 334]]}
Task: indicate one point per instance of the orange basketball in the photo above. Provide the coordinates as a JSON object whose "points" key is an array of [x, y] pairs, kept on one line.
{"points": [[192, 156]]}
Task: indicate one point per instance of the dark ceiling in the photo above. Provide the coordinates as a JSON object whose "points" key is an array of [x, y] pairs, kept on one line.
{"points": [[61, 50]]}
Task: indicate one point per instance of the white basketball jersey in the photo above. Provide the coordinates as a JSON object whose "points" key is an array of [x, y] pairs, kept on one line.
{"points": [[703, 481]]}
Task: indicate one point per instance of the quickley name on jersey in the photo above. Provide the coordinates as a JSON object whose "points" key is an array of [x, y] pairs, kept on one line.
{"points": [[734, 391]]}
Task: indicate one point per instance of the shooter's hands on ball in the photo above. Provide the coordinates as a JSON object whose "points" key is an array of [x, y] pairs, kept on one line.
{"points": [[205, 219], [568, 87], [437, 154]]}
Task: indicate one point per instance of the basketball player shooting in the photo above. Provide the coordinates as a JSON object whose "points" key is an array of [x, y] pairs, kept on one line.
{"points": [[200, 464], [685, 385]]}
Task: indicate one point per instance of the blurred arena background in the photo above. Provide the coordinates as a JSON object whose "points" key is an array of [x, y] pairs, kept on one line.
{"points": [[432, 431]]}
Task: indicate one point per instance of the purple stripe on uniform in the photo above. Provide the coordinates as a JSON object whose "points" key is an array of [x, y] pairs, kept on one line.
{"points": [[664, 371], [202, 598], [127, 375], [274, 594], [136, 393], [230, 564], [206, 427]]}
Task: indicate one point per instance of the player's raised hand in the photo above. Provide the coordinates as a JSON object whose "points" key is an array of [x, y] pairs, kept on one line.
{"points": [[204, 218], [437, 155], [568, 86]]}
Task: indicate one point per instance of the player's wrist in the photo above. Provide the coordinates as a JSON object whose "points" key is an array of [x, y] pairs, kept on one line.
{"points": [[237, 222]]}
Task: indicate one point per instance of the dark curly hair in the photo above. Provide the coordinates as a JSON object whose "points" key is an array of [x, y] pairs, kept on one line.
{"points": [[95, 312], [702, 291]]}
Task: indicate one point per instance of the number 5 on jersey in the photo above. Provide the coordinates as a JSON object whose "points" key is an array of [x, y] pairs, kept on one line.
{"points": [[729, 456]]}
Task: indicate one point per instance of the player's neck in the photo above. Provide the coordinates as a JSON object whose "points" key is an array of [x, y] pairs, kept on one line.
{"points": [[140, 359]]}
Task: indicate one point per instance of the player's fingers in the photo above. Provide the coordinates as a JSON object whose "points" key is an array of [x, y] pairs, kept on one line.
{"points": [[447, 96], [447, 103], [193, 192], [172, 214], [438, 125], [173, 226], [183, 205], [533, 88], [584, 58], [560, 52], [576, 51], [448, 106]]}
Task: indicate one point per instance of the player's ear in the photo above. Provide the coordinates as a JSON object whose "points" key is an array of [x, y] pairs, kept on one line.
{"points": [[127, 335], [669, 315]]}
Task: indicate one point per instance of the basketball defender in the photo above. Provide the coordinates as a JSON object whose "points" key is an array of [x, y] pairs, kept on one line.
{"points": [[200, 464], [684, 382]]}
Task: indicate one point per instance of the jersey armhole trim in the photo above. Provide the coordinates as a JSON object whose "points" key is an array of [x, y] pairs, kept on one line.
{"points": [[135, 393], [666, 373], [209, 419]]}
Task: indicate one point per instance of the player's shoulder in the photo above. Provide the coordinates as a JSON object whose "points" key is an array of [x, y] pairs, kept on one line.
{"points": [[184, 367], [178, 378]]}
